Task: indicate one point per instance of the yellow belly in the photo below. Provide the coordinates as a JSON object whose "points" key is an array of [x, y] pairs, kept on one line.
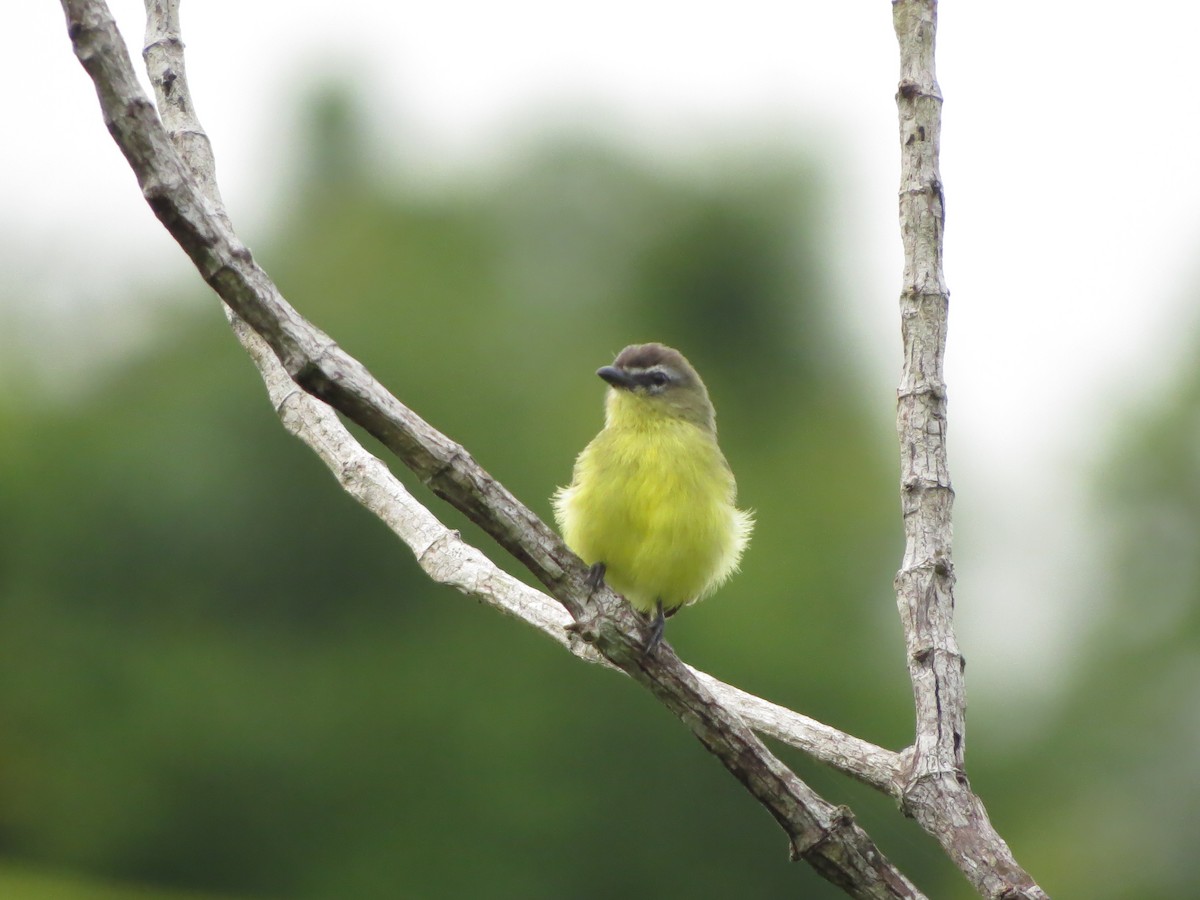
{"points": [[657, 508]]}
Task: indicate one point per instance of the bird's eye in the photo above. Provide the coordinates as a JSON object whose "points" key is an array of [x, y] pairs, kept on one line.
{"points": [[656, 378]]}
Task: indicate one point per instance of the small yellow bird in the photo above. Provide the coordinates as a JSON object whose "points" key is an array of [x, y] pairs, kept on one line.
{"points": [[651, 506]]}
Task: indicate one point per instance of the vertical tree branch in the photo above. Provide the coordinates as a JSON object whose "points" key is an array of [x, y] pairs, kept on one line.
{"points": [[936, 793], [925, 583]]}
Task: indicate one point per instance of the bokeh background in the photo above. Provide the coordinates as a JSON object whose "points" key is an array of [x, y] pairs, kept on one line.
{"points": [[220, 678]]}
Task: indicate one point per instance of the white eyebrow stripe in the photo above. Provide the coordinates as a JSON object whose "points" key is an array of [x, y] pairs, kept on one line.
{"points": [[636, 372]]}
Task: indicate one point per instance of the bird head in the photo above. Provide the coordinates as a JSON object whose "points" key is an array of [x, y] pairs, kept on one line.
{"points": [[656, 380]]}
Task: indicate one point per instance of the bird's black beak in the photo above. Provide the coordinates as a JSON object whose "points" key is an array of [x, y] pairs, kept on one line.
{"points": [[618, 378]]}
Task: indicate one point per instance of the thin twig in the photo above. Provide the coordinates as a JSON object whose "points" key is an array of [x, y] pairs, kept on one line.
{"points": [[824, 835], [936, 792]]}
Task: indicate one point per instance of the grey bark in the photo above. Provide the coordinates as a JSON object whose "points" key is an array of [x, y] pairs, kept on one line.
{"points": [[936, 791]]}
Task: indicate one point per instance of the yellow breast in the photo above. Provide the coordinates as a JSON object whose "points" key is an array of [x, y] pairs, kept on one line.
{"points": [[654, 501]]}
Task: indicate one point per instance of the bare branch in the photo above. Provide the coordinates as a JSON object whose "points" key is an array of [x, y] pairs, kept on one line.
{"points": [[872, 765], [824, 835], [936, 792]]}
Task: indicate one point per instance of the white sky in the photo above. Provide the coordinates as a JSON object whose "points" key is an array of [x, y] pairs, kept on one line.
{"points": [[1070, 156]]}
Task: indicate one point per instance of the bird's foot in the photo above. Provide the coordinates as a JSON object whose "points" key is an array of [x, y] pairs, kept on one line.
{"points": [[596, 576], [657, 624]]}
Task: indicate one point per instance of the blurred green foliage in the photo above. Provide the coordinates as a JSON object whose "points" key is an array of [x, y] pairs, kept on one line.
{"points": [[20, 883], [1111, 792], [218, 673]]}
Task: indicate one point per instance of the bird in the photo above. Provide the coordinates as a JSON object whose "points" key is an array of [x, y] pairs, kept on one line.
{"points": [[652, 503]]}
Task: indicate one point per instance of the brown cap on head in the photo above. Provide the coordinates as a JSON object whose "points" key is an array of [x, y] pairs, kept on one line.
{"points": [[644, 356]]}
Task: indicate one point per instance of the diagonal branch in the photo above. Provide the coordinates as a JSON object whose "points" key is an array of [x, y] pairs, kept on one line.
{"points": [[936, 792], [824, 835]]}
